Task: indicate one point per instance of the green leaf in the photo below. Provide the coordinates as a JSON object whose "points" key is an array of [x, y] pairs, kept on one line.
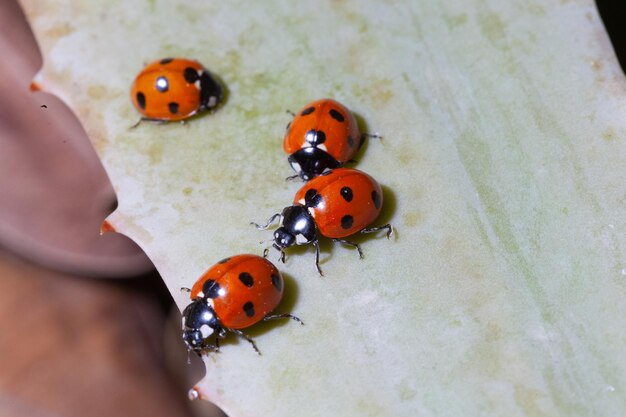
{"points": [[503, 171]]}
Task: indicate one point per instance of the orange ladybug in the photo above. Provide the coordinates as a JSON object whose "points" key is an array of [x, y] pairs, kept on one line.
{"points": [[323, 135], [336, 204], [174, 89], [233, 294]]}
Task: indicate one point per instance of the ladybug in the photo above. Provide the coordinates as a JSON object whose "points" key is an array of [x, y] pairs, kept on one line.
{"points": [[336, 204], [323, 135], [233, 294], [174, 89]]}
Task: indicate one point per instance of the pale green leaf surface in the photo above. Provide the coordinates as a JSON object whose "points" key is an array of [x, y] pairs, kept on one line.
{"points": [[503, 171]]}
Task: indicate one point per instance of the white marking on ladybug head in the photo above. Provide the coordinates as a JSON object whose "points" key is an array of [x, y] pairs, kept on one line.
{"points": [[296, 166], [322, 147], [301, 239], [206, 331]]}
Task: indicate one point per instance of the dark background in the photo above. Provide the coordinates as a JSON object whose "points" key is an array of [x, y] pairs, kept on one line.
{"points": [[613, 13], [87, 327]]}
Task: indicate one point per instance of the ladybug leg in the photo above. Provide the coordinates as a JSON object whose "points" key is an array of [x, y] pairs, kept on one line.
{"points": [[292, 177], [347, 242], [206, 349], [246, 337], [185, 289], [317, 257], [147, 119], [268, 224], [136, 124], [281, 258], [376, 229], [283, 316], [282, 255]]}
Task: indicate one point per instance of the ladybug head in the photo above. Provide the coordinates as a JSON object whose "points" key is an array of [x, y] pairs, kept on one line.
{"points": [[199, 323], [309, 162], [211, 92], [283, 238]]}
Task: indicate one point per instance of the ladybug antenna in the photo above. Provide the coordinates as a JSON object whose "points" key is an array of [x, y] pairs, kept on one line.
{"points": [[372, 136]]}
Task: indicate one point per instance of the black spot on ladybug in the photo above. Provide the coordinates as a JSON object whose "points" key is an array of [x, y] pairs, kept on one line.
{"points": [[307, 111], [191, 75], [246, 279], [336, 115], [248, 308], [346, 193], [173, 106], [351, 141], [346, 221], [311, 192], [312, 198], [321, 137], [315, 201], [141, 100], [376, 199], [211, 289], [162, 84], [223, 261], [315, 137], [166, 61], [276, 282]]}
